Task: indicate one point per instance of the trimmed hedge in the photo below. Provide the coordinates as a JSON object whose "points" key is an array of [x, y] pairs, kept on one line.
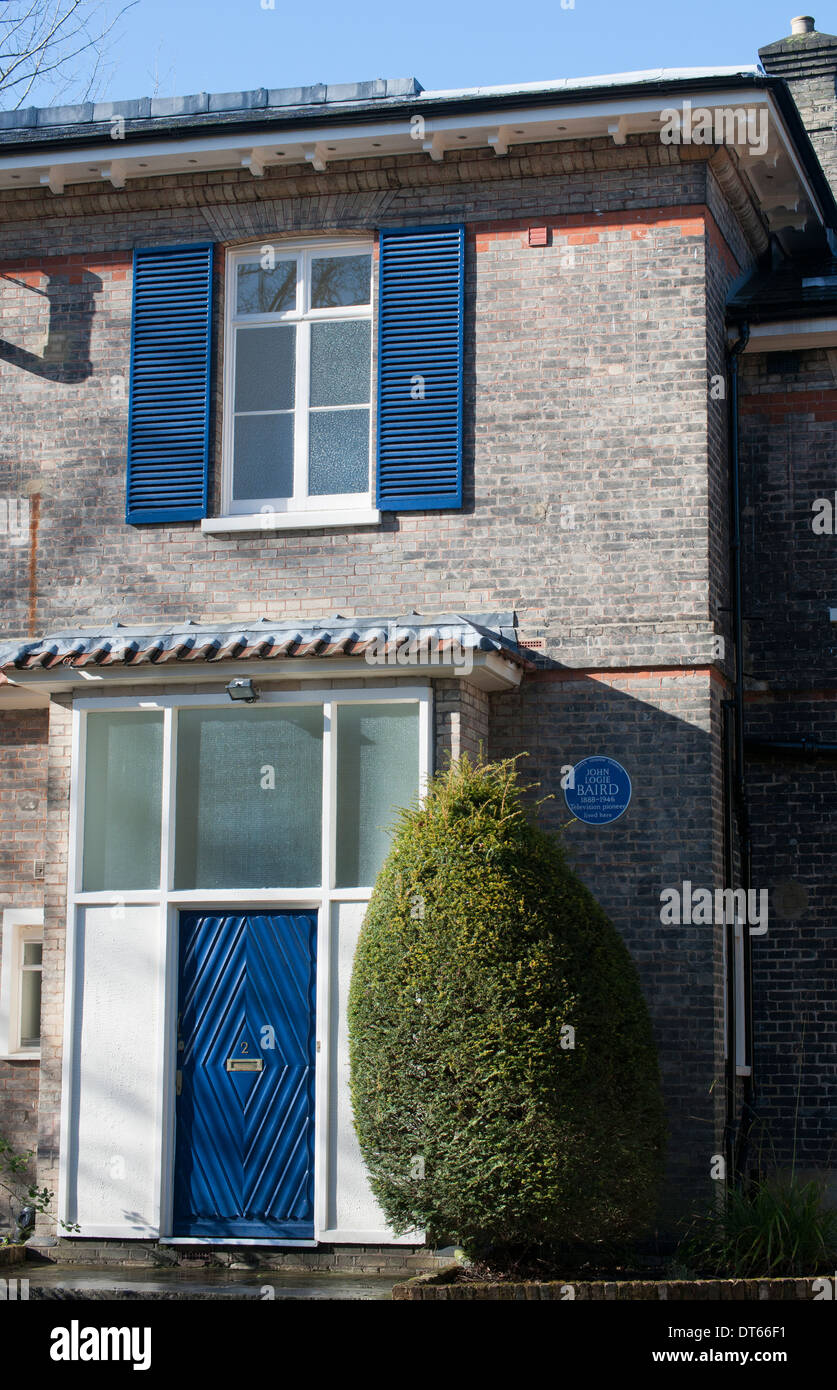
{"points": [[477, 1117]]}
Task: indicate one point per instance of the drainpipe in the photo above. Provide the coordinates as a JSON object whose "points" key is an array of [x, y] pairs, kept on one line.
{"points": [[807, 747], [739, 789], [727, 715]]}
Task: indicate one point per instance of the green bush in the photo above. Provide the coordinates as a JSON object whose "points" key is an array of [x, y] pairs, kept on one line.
{"points": [[771, 1227], [480, 1117]]}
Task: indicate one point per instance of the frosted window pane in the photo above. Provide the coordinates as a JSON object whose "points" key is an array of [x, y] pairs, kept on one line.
{"points": [[249, 798], [32, 952], [338, 451], [340, 363], [264, 368], [122, 800], [377, 774], [30, 1008], [266, 291], [264, 457], [337, 280]]}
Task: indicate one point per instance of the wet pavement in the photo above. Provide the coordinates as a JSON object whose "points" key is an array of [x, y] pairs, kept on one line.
{"points": [[88, 1282]]}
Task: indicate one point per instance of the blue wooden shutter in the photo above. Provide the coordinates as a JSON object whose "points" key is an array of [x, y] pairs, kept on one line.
{"points": [[168, 417], [420, 313]]}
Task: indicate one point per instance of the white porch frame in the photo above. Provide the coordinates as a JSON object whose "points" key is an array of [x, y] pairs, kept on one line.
{"points": [[169, 902]]}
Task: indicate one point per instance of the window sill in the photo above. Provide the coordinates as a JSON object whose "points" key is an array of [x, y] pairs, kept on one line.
{"points": [[291, 521], [20, 1056]]}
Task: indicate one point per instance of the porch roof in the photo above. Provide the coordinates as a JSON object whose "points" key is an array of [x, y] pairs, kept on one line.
{"points": [[438, 642]]}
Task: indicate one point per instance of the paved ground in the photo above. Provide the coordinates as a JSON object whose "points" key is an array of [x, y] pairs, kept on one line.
{"points": [[88, 1282]]}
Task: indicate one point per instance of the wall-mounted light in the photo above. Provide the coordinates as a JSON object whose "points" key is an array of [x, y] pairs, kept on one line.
{"points": [[242, 690]]}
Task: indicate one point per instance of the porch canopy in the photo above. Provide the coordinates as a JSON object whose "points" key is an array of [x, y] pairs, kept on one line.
{"points": [[481, 648]]}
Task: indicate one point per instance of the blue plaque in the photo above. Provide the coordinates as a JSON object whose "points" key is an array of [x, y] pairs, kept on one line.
{"points": [[598, 790]]}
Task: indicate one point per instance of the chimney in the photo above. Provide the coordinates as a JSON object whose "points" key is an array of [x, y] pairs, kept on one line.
{"points": [[808, 63]]}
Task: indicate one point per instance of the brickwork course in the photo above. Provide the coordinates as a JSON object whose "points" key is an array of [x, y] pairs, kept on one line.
{"points": [[596, 507]]}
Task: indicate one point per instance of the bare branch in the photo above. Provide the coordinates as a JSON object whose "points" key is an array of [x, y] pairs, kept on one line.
{"points": [[57, 45]]}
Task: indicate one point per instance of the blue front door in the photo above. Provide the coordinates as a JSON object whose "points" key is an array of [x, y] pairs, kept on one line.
{"points": [[245, 1105]]}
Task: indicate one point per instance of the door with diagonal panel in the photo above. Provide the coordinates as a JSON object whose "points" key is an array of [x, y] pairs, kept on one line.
{"points": [[244, 1164]]}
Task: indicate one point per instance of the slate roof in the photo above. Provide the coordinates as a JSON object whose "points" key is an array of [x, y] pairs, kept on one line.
{"points": [[230, 107], [263, 640], [793, 290]]}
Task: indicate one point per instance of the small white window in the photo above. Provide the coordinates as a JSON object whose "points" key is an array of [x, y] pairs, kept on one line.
{"points": [[298, 381], [20, 983]]}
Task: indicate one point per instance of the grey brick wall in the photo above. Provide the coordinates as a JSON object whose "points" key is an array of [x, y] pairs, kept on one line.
{"points": [[660, 726], [789, 415]]}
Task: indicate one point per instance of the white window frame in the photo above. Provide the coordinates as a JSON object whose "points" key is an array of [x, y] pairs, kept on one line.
{"points": [[19, 926], [170, 902], [299, 510]]}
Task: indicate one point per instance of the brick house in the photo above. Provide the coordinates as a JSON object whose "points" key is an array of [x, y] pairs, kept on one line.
{"points": [[346, 428]]}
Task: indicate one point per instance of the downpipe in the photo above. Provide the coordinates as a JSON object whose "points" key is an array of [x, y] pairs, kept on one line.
{"points": [[738, 1143]]}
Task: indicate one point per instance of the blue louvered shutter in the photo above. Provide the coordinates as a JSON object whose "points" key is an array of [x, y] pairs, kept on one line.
{"points": [[420, 313], [168, 418]]}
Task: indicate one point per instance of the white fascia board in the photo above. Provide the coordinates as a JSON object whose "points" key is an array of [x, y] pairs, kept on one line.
{"points": [[489, 671], [228, 149], [792, 334]]}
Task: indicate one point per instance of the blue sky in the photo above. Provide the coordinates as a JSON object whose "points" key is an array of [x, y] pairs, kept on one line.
{"points": [[181, 46]]}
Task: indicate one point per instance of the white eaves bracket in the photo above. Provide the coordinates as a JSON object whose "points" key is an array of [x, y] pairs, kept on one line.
{"points": [[254, 161], [435, 147], [53, 179], [499, 139], [315, 155]]}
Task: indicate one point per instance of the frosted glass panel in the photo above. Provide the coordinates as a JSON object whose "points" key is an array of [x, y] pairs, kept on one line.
{"points": [[30, 1009], [340, 363], [264, 457], [338, 451], [263, 291], [377, 774], [337, 280], [249, 797], [32, 952], [264, 368], [122, 800]]}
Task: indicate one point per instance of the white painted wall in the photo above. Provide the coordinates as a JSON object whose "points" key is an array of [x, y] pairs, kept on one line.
{"points": [[114, 1123], [353, 1212]]}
